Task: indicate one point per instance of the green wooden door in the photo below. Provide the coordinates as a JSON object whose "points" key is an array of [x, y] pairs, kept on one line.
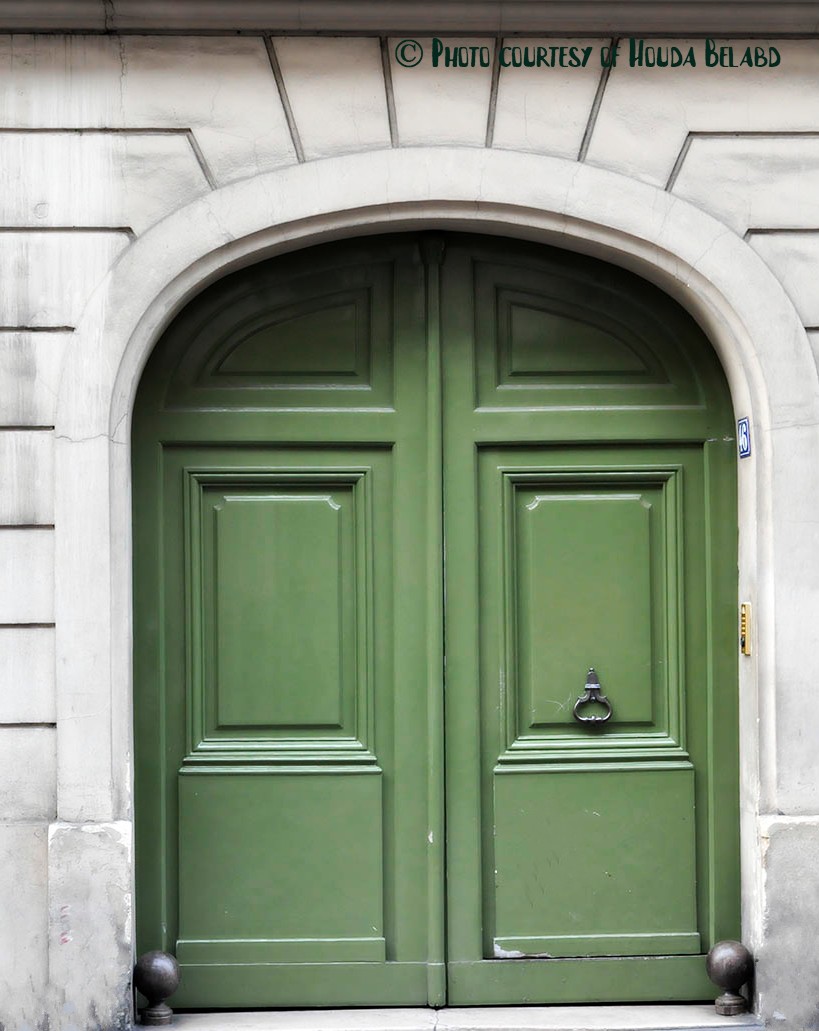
{"points": [[325, 447], [590, 522], [283, 625]]}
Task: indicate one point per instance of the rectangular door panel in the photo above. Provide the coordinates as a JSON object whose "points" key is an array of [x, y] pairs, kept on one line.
{"points": [[290, 641], [606, 979], [595, 862], [583, 568], [298, 861], [584, 578], [281, 602]]}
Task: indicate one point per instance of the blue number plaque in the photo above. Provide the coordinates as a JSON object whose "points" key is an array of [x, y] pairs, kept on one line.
{"points": [[744, 437]]}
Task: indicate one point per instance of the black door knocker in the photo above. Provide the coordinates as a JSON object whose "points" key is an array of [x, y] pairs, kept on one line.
{"points": [[592, 694]]}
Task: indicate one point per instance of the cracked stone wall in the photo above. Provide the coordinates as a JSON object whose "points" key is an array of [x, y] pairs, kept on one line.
{"points": [[101, 138]]}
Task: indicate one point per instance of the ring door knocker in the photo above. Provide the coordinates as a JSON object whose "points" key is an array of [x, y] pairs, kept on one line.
{"points": [[592, 694]]}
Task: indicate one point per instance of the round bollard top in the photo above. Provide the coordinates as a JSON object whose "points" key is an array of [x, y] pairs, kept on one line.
{"points": [[729, 965], [156, 975]]}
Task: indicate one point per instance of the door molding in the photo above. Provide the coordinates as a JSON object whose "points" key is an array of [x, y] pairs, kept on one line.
{"points": [[697, 260]]}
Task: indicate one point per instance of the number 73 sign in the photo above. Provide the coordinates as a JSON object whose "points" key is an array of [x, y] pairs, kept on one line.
{"points": [[744, 437]]}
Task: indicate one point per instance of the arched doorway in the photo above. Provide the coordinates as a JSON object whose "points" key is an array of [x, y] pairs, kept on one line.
{"points": [[392, 499]]}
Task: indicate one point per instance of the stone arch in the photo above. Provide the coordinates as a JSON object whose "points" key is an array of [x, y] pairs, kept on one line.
{"points": [[706, 267]]}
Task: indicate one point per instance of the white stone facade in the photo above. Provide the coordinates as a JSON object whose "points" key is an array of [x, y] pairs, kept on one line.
{"points": [[134, 168]]}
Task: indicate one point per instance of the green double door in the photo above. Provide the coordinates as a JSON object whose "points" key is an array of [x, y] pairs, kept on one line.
{"points": [[393, 498]]}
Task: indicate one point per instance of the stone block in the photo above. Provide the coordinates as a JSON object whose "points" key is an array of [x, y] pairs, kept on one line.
{"points": [[546, 109], [90, 899], [24, 927], [96, 179], [442, 105], [46, 277], [28, 777], [27, 483], [221, 87], [337, 93], [27, 675], [30, 366], [793, 257], [787, 975], [752, 182], [27, 561], [646, 113], [85, 625]]}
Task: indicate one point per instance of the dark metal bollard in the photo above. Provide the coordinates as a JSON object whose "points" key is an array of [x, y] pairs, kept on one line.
{"points": [[156, 975], [730, 965]]}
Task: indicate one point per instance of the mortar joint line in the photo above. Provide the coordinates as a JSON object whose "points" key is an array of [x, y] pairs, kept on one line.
{"points": [[37, 329], [493, 94], [27, 626], [108, 16], [284, 98], [26, 526], [596, 104], [389, 90], [58, 230], [677, 166], [27, 725], [774, 230], [200, 158]]}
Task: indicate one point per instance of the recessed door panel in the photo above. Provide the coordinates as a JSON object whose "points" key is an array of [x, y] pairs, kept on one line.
{"points": [[303, 884], [308, 337], [284, 628], [584, 568], [281, 606], [585, 576], [595, 862], [602, 339]]}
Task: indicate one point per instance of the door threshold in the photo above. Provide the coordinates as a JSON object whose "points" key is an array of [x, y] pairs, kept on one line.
{"points": [[698, 1017]]}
